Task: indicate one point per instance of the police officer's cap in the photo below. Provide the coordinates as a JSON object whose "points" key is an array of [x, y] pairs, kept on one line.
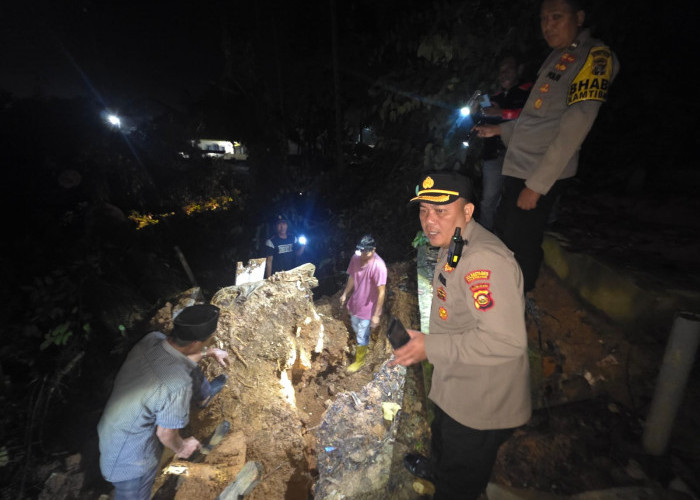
{"points": [[441, 188]]}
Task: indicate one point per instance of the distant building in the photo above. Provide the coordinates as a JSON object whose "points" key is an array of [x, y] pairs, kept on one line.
{"points": [[227, 150]]}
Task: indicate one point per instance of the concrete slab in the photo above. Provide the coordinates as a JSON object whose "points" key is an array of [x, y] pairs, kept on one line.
{"points": [[631, 298]]}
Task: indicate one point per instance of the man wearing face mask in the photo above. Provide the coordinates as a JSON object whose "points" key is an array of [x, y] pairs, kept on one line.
{"points": [[367, 280], [543, 143], [477, 343]]}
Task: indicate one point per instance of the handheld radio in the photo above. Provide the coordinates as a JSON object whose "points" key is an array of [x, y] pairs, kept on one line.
{"points": [[455, 251]]}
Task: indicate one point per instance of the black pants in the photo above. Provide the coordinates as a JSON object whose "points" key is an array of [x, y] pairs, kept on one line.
{"points": [[523, 230], [462, 457]]}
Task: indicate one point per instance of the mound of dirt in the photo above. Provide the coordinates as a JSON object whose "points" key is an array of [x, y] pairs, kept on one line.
{"points": [[288, 359]]}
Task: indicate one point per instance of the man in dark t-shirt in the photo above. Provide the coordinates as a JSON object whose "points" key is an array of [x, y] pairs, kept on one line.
{"points": [[282, 249]]}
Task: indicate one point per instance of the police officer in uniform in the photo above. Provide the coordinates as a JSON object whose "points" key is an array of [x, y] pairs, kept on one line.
{"points": [[477, 342], [543, 143]]}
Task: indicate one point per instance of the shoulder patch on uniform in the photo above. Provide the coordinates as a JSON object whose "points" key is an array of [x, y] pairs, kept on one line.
{"points": [[483, 300], [441, 294], [593, 80], [442, 312], [480, 274]]}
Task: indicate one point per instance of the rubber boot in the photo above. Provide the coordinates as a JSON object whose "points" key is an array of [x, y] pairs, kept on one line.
{"points": [[360, 354]]}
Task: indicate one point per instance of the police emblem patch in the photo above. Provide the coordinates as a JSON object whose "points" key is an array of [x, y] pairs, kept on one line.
{"points": [[483, 300], [441, 294], [442, 312]]}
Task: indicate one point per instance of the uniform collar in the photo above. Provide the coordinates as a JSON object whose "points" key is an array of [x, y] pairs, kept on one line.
{"points": [[582, 37]]}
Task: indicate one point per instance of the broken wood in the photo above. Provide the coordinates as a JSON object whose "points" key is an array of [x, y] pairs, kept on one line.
{"points": [[239, 356], [244, 383], [245, 481], [185, 266]]}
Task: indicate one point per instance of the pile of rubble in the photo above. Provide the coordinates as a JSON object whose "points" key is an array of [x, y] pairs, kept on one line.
{"points": [[356, 438]]}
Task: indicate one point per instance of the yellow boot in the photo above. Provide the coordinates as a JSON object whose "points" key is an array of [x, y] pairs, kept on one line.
{"points": [[360, 354]]}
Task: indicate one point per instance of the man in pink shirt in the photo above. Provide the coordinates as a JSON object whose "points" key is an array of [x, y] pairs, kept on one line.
{"points": [[367, 276]]}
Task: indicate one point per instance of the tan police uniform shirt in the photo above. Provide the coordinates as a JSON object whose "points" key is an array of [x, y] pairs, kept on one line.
{"points": [[544, 142], [478, 340]]}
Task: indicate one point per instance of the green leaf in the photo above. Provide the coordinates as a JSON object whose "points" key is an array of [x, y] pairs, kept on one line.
{"points": [[420, 239]]}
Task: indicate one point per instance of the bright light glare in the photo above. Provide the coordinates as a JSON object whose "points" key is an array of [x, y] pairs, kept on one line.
{"points": [[114, 120], [465, 111], [302, 240], [465, 144]]}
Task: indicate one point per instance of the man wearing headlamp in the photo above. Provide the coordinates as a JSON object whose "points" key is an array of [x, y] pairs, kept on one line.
{"points": [[367, 277]]}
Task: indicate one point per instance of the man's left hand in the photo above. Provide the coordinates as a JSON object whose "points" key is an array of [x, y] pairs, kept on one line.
{"points": [[528, 199], [374, 322], [411, 353], [220, 355]]}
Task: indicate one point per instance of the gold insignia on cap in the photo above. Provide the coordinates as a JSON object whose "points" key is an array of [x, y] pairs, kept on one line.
{"points": [[428, 183]]}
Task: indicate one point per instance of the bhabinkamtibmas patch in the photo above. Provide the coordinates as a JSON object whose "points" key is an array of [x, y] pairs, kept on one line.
{"points": [[593, 81]]}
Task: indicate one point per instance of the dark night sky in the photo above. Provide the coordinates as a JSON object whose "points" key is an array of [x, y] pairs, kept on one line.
{"points": [[70, 48], [126, 50]]}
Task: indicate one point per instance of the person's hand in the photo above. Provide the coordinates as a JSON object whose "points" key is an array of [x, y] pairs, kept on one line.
{"points": [[220, 355], [528, 199], [342, 300], [411, 353], [189, 446], [374, 322], [487, 130]]}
